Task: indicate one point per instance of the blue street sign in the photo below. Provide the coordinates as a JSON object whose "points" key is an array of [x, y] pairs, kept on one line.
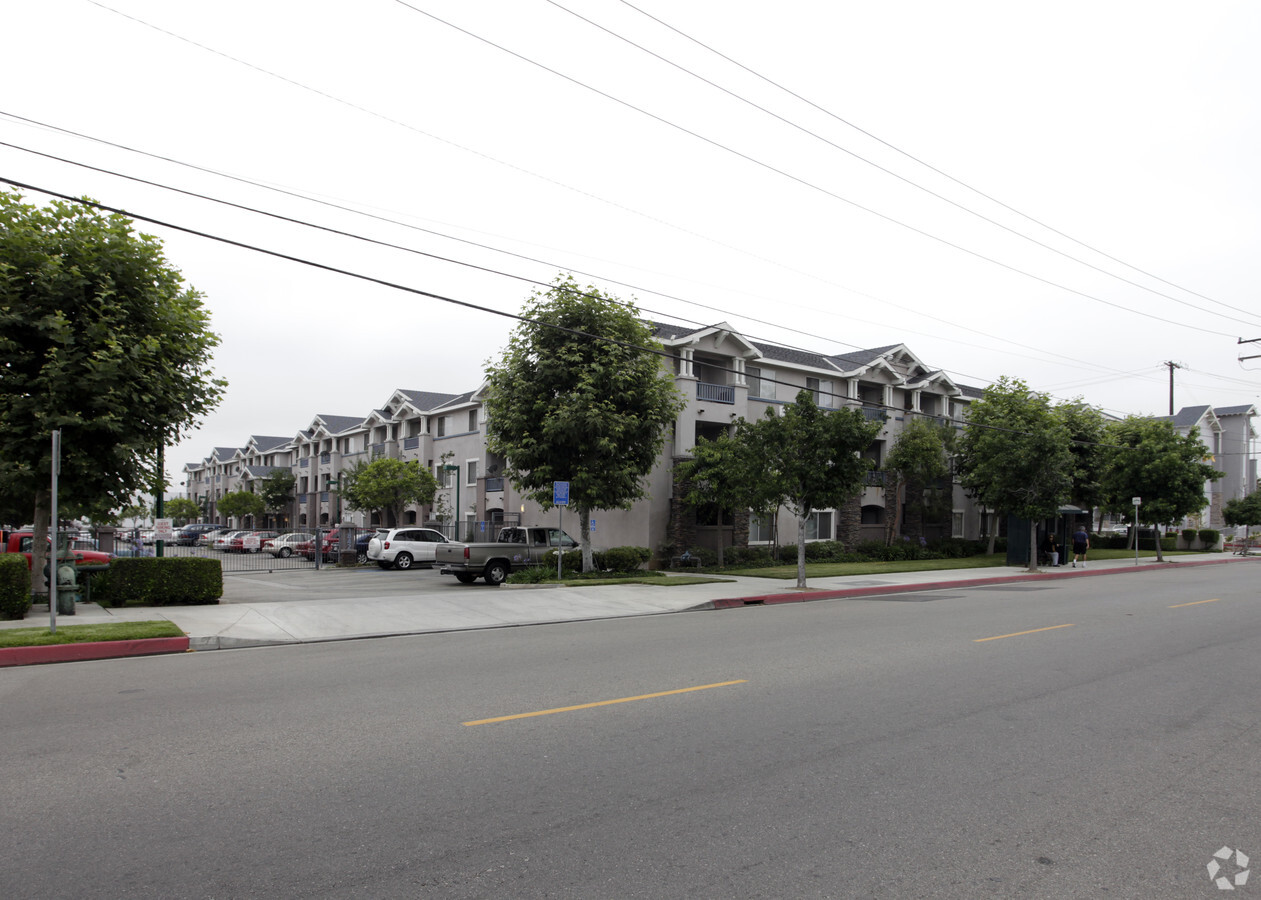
{"points": [[560, 493]]}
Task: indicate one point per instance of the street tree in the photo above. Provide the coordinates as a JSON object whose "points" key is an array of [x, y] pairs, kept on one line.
{"points": [[276, 489], [810, 457], [1150, 460], [1014, 455], [580, 395], [387, 487], [919, 457], [101, 339], [718, 476], [240, 504], [1244, 511], [181, 510], [1087, 432]]}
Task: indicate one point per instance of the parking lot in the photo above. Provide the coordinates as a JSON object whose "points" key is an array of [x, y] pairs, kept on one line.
{"points": [[333, 582]]}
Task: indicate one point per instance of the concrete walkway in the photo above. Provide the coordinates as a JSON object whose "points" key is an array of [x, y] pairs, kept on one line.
{"points": [[340, 604]]}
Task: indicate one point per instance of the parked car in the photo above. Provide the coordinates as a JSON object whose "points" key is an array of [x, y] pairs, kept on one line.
{"points": [[401, 548], [224, 539], [515, 549], [237, 544], [188, 535], [285, 545], [208, 539]]}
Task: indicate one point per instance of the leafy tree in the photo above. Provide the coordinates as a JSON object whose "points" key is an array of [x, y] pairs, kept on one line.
{"points": [[1087, 431], [1243, 510], [239, 504], [100, 338], [809, 459], [135, 511], [181, 510], [917, 458], [276, 489], [387, 486], [1014, 456], [718, 473], [580, 395], [1151, 460]]}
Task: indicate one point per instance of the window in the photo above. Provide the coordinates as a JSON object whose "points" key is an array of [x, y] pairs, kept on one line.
{"points": [[472, 472], [442, 426], [819, 526], [956, 524], [472, 420], [822, 392], [761, 530], [761, 383]]}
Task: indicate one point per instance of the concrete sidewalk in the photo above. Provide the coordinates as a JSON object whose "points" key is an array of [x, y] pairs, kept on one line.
{"points": [[342, 604]]}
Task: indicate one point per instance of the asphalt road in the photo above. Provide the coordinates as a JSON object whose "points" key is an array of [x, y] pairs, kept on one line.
{"points": [[1083, 738]]}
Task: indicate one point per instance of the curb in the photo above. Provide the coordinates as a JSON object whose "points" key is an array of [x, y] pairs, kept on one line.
{"points": [[843, 593], [54, 653]]}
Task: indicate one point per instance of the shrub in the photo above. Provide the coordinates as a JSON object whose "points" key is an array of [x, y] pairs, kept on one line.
{"points": [[1208, 537], [748, 557], [165, 581], [571, 561], [624, 559], [15, 586], [824, 551], [533, 574]]}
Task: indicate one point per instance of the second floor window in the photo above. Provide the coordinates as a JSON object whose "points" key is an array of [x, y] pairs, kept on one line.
{"points": [[761, 383]]}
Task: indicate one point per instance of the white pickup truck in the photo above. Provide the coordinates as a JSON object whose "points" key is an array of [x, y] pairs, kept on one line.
{"points": [[516, 548]]}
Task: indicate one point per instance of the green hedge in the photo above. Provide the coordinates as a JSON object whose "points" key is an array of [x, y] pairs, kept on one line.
{"points": [[15, 586], [164, 581], [1208, 537], [624, 559]]}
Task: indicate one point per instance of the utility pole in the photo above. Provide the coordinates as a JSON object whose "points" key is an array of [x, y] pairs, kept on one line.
{"points": [[1249, 341], [1172, 365]]}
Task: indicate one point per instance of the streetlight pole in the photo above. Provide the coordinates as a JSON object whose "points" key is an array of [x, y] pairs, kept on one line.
{"points": [[456, 469]]}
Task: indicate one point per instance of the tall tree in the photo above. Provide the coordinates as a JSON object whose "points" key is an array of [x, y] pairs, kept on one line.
{"points": [[719, 474], [387, 486], [1244, 511], [1150, 460], [101, 339], [276, 489], [240, 504], [917, 458], [1087, 432], [811, 458], [181, 510], [1014, 456], [580, 395]]}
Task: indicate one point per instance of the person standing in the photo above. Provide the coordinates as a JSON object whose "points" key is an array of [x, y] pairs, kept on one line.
{"points": [[1081, 544], [1052, 549]]}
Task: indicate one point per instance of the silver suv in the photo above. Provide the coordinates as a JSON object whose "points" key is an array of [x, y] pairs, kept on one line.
{"points": [[401, 548]]}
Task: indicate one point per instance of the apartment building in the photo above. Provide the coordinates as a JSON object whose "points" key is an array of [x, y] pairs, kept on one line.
{"points": [[721, 374], [1230, 437]]}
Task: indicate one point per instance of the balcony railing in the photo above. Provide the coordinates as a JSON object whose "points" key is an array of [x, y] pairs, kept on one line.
{"points": [[304, 462], [323, 496], [494, 484], [411, 443], [715, 393], [875, 478], [324, 458]]}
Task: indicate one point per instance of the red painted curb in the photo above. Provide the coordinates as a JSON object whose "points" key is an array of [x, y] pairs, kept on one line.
{"points": [[841, 593], [53, 653]]}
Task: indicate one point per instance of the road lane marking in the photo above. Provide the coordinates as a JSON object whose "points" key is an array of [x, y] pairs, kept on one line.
{"points": [[999, 637], [1194, 603], [561, 709]]}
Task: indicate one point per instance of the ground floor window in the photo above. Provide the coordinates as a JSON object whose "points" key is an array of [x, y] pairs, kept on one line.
{"points": [[956, 523], [761, 530], [819, 526]]}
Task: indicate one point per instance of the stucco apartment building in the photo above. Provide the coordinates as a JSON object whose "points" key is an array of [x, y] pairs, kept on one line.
{"points": [[1230, 437], [722, 375]]}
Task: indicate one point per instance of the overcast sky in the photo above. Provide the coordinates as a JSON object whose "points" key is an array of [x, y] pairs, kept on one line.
{"points": [[1066, 193]]}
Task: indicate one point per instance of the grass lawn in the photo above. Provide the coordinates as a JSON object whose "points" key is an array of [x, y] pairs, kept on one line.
{"points": [[825, 570], [75, 634]]}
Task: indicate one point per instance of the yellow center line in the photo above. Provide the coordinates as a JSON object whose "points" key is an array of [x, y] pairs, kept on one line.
{"points": [[1194, 603], [561, 709], [999, 637]]}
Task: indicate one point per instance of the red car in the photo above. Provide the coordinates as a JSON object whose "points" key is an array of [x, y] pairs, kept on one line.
{"points": [[329, 542], [237, 544]]}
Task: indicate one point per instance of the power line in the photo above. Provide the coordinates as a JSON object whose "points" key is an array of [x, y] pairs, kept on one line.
{"points": [[436, 233], [926, 165], [892, 173]]}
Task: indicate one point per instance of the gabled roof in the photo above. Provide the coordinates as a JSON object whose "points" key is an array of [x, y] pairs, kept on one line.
{"points": [[263, 443], [336, 424], [426, 400], [455, 401], [1246, 410], [1190, 416], [263, 471]]}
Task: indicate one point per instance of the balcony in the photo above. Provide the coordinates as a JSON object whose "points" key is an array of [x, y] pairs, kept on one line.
{"points": [[875, 478], [494, 484], [304, 462], [715, 393], [411, 443]]}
